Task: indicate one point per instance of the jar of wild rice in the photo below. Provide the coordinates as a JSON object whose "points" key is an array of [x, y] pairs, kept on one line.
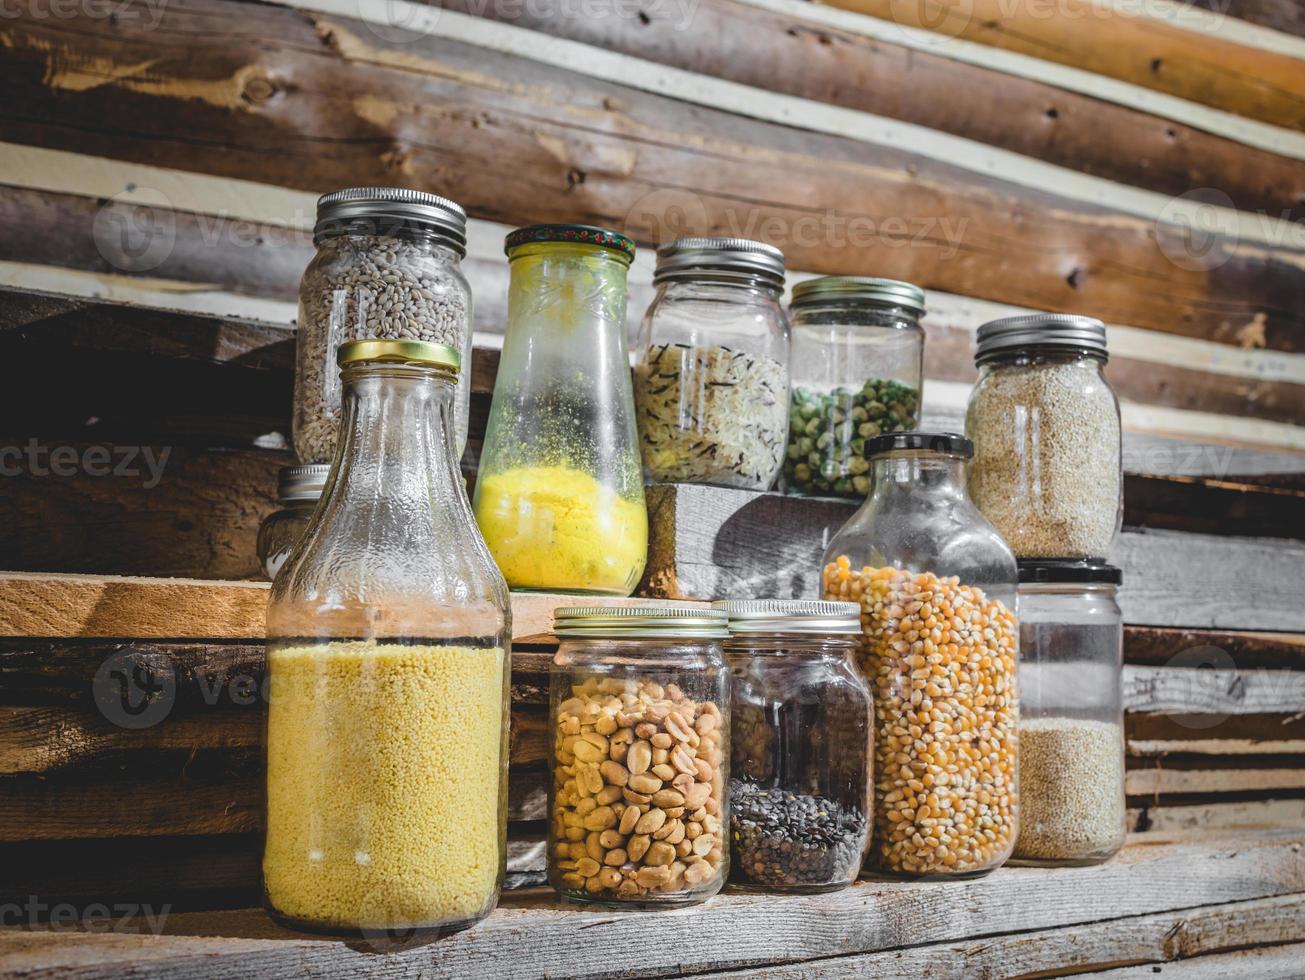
{"points": [[387, 267], [711, 375], [1045, 427]]}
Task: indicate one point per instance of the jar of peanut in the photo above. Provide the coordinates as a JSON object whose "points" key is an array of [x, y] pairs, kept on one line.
{"points": [[639, 753], [937, 588]]}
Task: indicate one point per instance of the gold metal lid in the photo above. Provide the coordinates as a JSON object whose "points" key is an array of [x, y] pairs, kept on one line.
{"points": [[667, 622], [417, 352]]}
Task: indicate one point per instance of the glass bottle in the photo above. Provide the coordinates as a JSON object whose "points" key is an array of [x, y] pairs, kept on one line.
{"points": [[559, 496], [711, 377], [639, 752], [298, 490], [1047, 445], [937, 588], [1072, 808], [388, 266], [387, 661], [800, 746], [857, 369]]}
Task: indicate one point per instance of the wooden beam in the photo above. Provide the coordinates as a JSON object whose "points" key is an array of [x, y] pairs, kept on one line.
{"points": [[1287, 16], [528, 936], [1212, 648], [1268, 963], [1141, 50], [424, 113]]}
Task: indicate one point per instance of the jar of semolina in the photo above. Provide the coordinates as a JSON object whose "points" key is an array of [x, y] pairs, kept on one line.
{"points": [[387, 662], [639, 754], [940, 644]]}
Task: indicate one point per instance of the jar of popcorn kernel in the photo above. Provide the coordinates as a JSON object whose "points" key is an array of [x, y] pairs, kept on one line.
{"points": [[937, 587], [639, 752]]}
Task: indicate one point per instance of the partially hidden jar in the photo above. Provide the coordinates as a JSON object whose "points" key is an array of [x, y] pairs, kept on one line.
{"points": [[711, 375], [388, 266], [801, 744], [388, 675], [559, 496], [639, 751], [856, 369], [297, 492], [937, 588], [1071, 714], [1045, 425]]}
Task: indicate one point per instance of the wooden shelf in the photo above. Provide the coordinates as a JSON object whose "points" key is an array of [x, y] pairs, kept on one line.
{"points": [[45, 604], [1161, 900]]}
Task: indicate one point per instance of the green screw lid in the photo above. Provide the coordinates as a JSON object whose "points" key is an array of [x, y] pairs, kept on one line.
{"points": [[570, 235]]}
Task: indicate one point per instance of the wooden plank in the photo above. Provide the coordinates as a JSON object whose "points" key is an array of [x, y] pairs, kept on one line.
{"points": [[1169, 937], [530, 936], [1212, 816], [783, 51], [1160, 781], [715, 542], [1141, 50], [1272, 963], [1287, 16], [1214, 506], [1222, 648], [1018, 246], [38, 604], [1213, 691]]}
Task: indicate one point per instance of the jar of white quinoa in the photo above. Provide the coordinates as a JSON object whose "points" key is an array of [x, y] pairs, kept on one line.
{"points": [[940, 643], [1045, 426]]}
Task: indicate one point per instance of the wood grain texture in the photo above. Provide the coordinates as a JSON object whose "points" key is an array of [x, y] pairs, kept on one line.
{"points": [[1287, 16], [714, 542], [1165, 938], [1212, 648], [1142, 50], [783, 52], [1269, 963], [530, 936], [1213, 691], [516, 141]]}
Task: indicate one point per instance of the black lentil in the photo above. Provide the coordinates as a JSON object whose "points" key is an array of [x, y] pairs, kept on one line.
{"points": [[788, 840]]}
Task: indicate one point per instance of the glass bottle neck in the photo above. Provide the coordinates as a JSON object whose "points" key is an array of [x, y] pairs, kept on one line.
{"points": [[919, 475]]}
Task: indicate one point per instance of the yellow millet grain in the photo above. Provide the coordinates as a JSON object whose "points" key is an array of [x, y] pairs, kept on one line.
{"points": [[941, 660], [384, 780]]}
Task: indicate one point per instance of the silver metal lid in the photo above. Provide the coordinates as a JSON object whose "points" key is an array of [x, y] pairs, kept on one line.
{"points": [[1040, 331], [721, 259], [388, 211], [859, 289], [640, 621], [296, 484], [791, 616]]}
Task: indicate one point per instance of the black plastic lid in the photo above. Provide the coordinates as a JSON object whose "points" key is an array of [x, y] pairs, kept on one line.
{"points": [[1052, 571], [570, 235], [938, 442]]}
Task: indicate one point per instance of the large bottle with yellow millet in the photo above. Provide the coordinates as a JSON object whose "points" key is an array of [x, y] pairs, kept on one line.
{"points": [[559, 495]]}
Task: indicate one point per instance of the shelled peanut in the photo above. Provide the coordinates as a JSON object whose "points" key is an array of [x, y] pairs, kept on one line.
{"points": [[941, 660], [638, 792]]}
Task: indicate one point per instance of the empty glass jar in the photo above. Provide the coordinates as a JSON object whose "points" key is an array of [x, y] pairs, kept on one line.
{"points": [[298, 489], [639, 753], [937, 588], [856, 369], [711, 376], [1045, 425], [559, 495], [801, 743], [387, 663], [1071, 714], [387, 266]]}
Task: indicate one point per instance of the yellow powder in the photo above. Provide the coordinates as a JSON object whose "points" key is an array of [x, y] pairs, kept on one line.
{"points": [[384, 781], [553, 527]]}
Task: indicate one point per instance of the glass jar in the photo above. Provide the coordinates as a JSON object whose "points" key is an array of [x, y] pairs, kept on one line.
{"points": [[711, 376], [559, 496], [857, 368], [387, 660], [1045, 425], [1071, 714], [800, 747], [298, 489], [937, 588], [387, 266], [639, 752]]}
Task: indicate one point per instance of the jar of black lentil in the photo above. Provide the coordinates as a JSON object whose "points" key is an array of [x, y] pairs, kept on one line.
{"points": [[801, 746], [856, 367]]}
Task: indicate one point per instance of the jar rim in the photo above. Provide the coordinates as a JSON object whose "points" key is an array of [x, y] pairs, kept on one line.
{"points": [[1014, 335], [811, 617], [884, 293], [635, 622], [388, 212], [1068, 571], [412, 353], [570, 234], [719, 259]]}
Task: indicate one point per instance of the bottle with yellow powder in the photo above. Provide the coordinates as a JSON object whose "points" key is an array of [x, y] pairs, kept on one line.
{"points": [[559, 496], [388, 634]]}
